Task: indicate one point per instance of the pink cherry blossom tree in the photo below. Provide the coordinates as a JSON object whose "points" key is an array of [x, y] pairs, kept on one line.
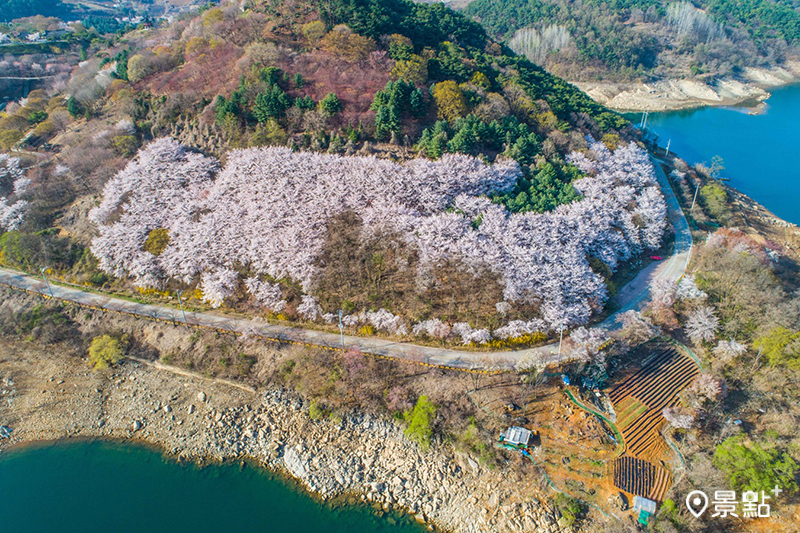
{"points": [[727, 351], [702, 325], [679, 418], [12, 213], [636, 328]]}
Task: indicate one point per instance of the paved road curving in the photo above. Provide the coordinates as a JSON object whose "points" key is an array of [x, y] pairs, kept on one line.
{"points": [[632, 296], [636, 293]]}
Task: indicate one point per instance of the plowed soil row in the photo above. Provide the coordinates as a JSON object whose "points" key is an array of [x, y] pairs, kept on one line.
{"points": [[641, 478], [639, 401], [629, 411]]}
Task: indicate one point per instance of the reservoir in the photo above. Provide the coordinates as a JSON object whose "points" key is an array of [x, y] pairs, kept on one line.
{"points": [[760, 152], [106, 486]]}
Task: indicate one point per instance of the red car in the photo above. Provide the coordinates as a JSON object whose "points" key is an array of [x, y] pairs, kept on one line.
{"points": [[656, 257]]}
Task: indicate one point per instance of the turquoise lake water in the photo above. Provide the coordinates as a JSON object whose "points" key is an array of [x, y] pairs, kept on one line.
{"points": [[760, 152], [91, 487]]}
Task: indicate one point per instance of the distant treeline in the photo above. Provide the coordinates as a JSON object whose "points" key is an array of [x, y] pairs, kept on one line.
{"points": [[625, 38], [104, 25]]}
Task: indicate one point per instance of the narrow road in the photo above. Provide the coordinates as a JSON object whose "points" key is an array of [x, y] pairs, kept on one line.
{"points": [[636, 293], [632, 296]]}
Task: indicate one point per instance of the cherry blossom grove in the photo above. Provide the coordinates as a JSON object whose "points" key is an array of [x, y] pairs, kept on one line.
{"points": [[268, 209], [12, 213]]}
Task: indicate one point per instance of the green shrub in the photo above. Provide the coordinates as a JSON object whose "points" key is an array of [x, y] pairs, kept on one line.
{"points": [[570, 509], [106, 351], [37, 116], [749, 466], [44, 129], [121, 71], [269, 133], [715, 199], [125, 145], [8, 138], [39, 316], [611, 140], [366, 331], [157, 240], [75, 108], [330, 104], [317, 411], [420, 421], [781, 347], [98, 279], [271, 103], [139, 67], [305, 102]]}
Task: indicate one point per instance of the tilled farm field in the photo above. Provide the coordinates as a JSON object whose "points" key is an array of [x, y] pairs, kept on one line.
{"points": [[639, 399]]}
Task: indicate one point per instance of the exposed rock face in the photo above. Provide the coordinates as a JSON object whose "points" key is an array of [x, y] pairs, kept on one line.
{"points": [[362, 454], [671, 94], [292, 462]]}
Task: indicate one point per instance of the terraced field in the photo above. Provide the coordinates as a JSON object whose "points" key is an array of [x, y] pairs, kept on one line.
{"points": [[639, 400]]}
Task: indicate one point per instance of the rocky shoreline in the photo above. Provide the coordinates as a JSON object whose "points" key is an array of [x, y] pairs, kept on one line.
{"points": [[361, 456], [677, 94]]}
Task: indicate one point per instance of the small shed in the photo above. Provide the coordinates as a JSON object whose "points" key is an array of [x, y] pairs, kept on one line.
{"points": [[646, 508], [517, 437]]}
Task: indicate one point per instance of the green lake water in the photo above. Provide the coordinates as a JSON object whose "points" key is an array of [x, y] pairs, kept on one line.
{"points": [[760, 152], [96, 486]]}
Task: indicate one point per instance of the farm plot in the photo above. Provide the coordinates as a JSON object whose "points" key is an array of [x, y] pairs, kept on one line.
{"points": [[639, 401], [628, 411], [642, 478]]}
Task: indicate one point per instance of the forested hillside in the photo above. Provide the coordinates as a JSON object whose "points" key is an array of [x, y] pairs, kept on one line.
{"points": [[429, 181], [623, 40]]}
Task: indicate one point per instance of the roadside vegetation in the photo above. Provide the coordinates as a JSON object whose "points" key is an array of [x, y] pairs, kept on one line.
{"points": [[106, 351]]}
